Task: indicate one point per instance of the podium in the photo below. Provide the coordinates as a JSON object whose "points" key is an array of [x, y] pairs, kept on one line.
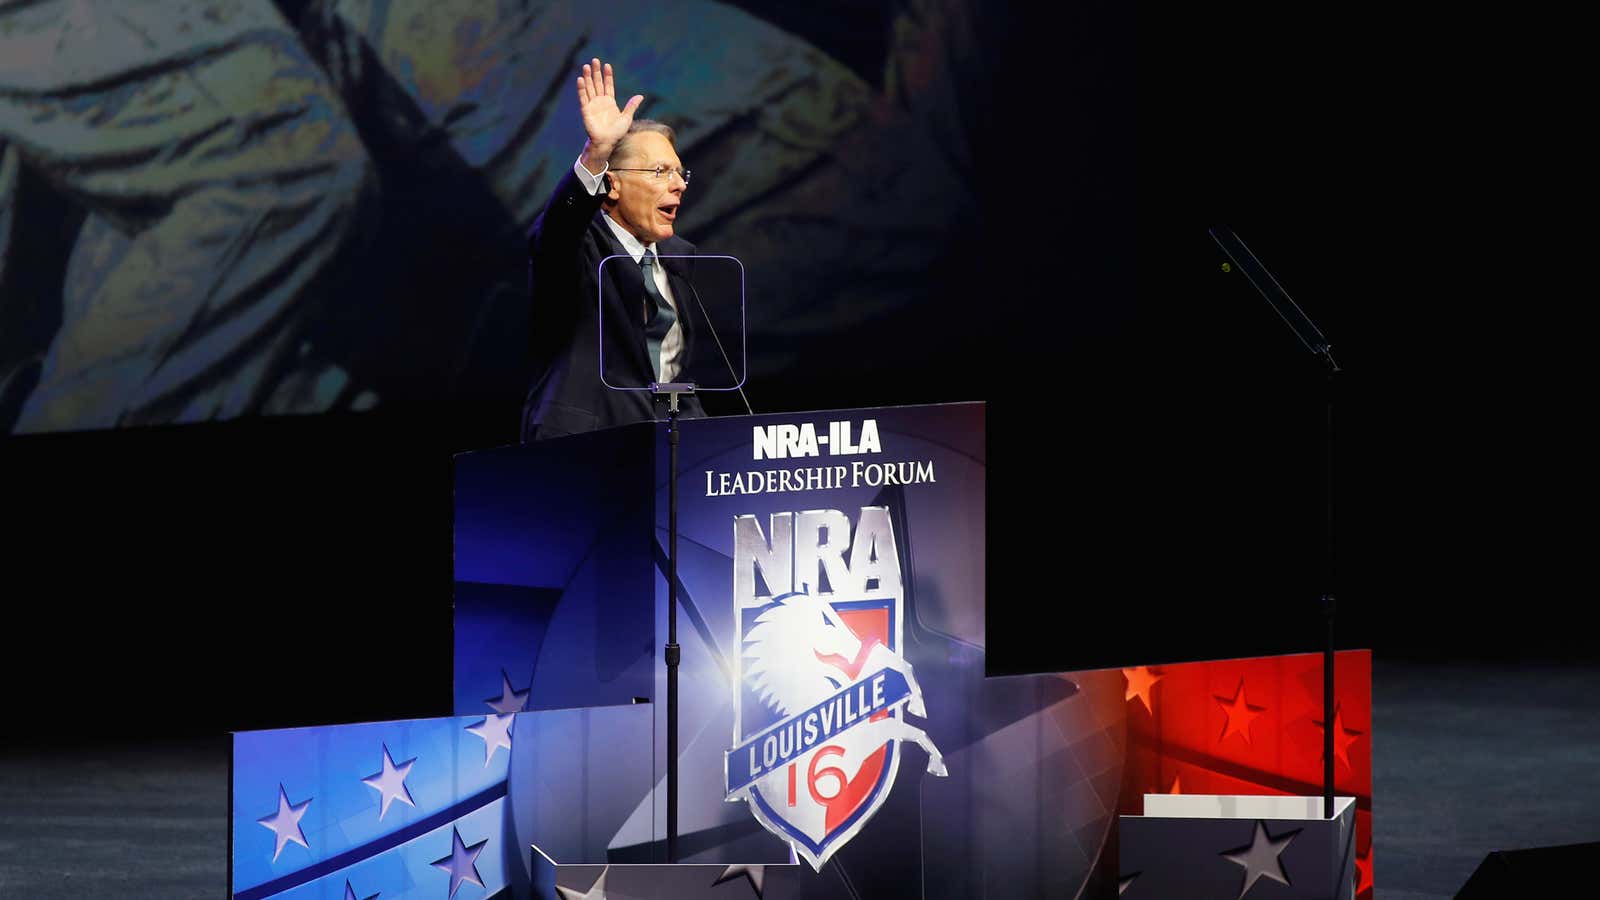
{"points": [[879, 511], [839, 736]]}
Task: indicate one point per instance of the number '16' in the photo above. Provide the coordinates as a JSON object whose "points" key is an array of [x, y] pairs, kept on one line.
{"points": [[815, 775]]}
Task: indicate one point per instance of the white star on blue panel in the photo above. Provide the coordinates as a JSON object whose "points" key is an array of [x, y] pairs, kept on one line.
{"points": [[285, 823], [510, 700], [461, 863], [495, 732], [390, 782]]}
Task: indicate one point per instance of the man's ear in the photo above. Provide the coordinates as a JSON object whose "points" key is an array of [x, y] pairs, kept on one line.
{"points": [[605, 182]]}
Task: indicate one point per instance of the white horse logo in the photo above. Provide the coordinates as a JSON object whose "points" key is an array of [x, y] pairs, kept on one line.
{"points": [[816, 774], [801, 652]]}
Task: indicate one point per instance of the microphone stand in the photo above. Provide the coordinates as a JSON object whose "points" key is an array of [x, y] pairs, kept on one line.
{"points": [[1313, 339], [1329, 604]]}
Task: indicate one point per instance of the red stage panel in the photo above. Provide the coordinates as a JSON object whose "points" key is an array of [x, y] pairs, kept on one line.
{"points": [[1251, 726]]}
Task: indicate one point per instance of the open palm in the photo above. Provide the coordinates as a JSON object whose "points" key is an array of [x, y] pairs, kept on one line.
{"points": [[604, 121]]}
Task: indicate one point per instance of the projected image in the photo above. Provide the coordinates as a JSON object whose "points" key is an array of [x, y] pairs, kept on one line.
{"points": [[217, 209]]}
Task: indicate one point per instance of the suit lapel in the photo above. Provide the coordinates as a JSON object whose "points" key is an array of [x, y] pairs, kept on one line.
{"points": [[624, 286]]}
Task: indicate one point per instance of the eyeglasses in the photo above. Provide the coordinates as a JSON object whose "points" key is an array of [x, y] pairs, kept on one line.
{"points": [[659, 172]]}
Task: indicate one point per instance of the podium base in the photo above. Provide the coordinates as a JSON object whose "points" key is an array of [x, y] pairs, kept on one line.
{"points": [[662, 881], [1223, 847]]}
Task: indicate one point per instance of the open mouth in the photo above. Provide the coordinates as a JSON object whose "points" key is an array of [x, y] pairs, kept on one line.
{"points": [[668, 211]]}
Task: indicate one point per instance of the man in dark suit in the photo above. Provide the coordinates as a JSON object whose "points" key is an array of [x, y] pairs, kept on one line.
{"points": [[620, 199]]}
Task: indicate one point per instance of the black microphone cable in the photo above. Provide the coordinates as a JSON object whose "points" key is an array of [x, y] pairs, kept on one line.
{"points": [[713, 329]]}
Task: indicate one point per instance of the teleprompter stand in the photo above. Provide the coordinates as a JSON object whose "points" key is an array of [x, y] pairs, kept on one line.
{"points": [[727, 272], [673, 654]]}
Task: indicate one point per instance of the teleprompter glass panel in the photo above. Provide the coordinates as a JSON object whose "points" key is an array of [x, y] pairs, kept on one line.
{"points": [[693, 331]]}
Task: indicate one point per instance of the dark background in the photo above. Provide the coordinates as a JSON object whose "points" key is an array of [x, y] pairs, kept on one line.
{"points": [[1155, 432]]}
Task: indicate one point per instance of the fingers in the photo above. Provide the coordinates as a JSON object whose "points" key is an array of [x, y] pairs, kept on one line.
{"points": [[633, 104], [591, 80], [600, 81]]}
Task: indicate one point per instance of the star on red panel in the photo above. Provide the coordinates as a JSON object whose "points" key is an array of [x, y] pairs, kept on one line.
{"points": [[1364, 871], [1343, 737], [1177, 785], [1240, 714], [1140, 682]]}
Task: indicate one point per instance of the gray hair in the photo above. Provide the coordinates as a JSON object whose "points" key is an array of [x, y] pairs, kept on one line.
{"points": [[642, 125]]}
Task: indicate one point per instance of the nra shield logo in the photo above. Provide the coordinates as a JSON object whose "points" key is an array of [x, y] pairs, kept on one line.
{"points": [[822, 692]]}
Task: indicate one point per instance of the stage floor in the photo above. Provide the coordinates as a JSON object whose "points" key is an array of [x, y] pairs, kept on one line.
{"points": [[1472, 758], [1466, 759]]}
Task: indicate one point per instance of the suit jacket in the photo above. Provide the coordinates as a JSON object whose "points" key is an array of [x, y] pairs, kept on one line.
{"points": [[565, 246]]}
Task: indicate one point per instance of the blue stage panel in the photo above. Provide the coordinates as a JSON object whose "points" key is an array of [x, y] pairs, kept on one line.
{"points": [[419, 808]]}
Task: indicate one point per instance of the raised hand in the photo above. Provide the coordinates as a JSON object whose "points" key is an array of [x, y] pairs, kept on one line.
{"points": [[604, 122]]}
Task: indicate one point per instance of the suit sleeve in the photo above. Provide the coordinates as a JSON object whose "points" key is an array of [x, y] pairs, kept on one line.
{"points": [[555, 264], [556, 238]]}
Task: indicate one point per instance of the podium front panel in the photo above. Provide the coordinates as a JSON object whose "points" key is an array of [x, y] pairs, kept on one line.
{"points": [[553, 573]]}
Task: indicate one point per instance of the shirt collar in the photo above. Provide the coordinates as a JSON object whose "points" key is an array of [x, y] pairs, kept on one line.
{"points": [[628, 241]]}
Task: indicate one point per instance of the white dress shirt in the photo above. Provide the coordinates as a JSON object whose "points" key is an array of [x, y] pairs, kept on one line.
{"points": [[672, 344]]}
